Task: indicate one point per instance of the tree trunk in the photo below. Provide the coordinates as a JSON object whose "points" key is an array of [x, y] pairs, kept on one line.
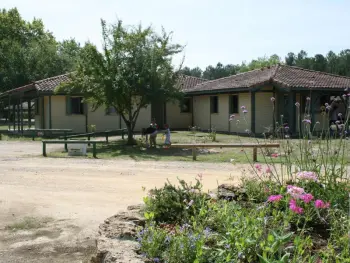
{"points": [[131, 140]]}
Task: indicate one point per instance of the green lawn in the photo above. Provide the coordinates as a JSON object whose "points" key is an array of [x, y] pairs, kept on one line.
{"points": [[118, 149]]}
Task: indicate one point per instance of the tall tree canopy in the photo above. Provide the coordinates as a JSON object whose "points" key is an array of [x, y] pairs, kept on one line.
{"points": [[28, 52], [134, 68]]}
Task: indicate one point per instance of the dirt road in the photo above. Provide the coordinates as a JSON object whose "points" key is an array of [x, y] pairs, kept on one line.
{"points": [[77, 195]]}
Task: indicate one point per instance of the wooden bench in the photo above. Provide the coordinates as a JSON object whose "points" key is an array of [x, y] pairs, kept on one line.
{"points": [[71, 142], [255, 147], [34, 132], [94, 134]]}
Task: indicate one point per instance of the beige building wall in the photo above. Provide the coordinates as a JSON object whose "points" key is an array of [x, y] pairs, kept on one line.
{"points": [[263, 112], [102, 120], [177, 119], [201, 112], [60, 120], [220, 120], [242, 121], [143, 120]]}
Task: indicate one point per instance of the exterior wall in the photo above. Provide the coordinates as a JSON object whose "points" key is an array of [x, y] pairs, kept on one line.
{"points": [[143, 120], [220, 120], [177, 119], [102, 120], [60, 120], [244, 123], [263, 111], [201, 112]]}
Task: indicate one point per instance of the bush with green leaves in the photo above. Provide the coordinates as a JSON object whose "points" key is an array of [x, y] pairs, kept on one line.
{"points": [[174, 204]]}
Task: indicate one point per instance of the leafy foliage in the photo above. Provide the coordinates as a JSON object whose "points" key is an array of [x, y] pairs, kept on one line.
{"points": [[133, 69], [28, 52], [173, 204]]}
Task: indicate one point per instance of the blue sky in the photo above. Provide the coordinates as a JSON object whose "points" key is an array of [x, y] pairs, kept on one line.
{"points": [[221, 30]]}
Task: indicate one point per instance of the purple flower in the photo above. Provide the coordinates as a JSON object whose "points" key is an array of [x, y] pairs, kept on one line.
{"points": [[232, 117], [339, 114], [320, 204], [307, 121], [245, 111], [286, 128], [190, 203], [242, 107], [227, 246], [274, 198], [156, 260]]}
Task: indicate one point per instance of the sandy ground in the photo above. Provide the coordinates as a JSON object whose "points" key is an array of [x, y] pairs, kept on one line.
{"points": [[78, 194]]}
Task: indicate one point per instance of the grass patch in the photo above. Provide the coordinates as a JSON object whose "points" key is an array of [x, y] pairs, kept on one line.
{"points": [[28, 223], [118, 149]]}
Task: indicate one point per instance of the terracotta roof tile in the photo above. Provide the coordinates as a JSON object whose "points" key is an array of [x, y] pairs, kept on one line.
{"points": [[291, 77], [50, 84], [242, 80], [188, 82], [296, 77]]}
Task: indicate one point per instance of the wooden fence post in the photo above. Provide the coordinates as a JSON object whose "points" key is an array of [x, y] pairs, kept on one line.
{"points": [[255, 154], [194, 153]]}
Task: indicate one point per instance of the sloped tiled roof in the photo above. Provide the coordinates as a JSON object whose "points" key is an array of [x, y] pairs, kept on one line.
{"points": [[50, 84], [188, 82], [287, 76], [296, 77], [242, 80]]}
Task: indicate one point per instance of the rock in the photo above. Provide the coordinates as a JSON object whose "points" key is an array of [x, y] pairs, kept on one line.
{"points": [[117, 238], [231, 192]]}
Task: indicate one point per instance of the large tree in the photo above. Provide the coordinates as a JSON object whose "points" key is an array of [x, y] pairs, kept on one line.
{"points": [[133, 69], [29, 52]]}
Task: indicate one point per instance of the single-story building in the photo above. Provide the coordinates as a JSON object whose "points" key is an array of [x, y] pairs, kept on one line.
{"points": [[214, 101], [208, 104], [61, 111]]}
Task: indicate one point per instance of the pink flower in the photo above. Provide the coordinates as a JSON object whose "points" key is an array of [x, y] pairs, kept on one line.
{"points": [[294, 207], [320, 204], [274, 155], [242, 107], [274, 198], [294, 191], [307, 198], [258, 167], [268, 170], [232, 117], [305, 175]]}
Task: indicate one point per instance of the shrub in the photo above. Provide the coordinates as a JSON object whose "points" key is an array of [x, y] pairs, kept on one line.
{"points": [[174, 204]]}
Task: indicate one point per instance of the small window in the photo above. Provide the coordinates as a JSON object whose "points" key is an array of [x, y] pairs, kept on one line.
{"points": [[214, 104], [75, 105], [36, 106], [186, 105], [111, 111], [234, 104]]}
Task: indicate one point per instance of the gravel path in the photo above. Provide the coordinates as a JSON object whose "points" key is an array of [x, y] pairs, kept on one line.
{"points": [[78, 194]]}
